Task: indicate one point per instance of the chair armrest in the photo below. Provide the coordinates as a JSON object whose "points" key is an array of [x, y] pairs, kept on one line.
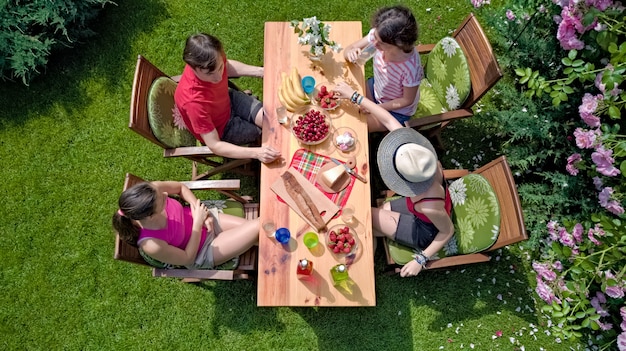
{"points": [[439, 118], [188, 151], [222, 184], [450, 174], [425, 48]]}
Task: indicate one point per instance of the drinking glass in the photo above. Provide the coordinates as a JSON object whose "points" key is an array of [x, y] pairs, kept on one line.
{"points": [[347, 214], [310, 240], [281, 115], [282, 235], [308, 84], [269, 227]]}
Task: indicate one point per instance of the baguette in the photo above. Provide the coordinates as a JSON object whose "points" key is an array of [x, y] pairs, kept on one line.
{"points": [[303, 201]]}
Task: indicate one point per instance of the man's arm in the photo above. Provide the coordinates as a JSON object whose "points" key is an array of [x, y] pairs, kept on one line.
{"points": [[240, 69]]}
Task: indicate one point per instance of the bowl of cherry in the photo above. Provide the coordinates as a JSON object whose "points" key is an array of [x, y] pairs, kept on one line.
{"points": [[310, 125]]}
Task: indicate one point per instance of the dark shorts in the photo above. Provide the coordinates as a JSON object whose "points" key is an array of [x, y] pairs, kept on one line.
{"points": [[241, 129], [398, 116], [411, 230]]}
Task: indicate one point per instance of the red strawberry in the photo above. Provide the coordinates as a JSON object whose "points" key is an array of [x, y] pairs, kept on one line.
{"points": [[346, 250], [324, 104], [332, 236], [341, 237], [333, 104], [351, 241], [336, 249], [323, 89]]}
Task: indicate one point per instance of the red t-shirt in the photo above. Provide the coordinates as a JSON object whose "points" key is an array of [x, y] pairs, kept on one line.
{"points": [[204, 106]]}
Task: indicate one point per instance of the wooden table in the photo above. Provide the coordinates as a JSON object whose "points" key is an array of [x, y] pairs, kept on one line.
{"points": [[278, 284]]}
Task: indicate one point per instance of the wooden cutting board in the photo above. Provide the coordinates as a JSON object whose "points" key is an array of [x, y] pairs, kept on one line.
{"points": [[326, 207]]}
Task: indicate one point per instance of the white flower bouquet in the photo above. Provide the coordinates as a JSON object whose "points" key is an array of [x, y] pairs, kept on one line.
{"points": [[315, 33]]}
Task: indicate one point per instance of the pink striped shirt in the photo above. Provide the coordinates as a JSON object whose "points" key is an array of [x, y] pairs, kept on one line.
{"points": [[390, 78]]}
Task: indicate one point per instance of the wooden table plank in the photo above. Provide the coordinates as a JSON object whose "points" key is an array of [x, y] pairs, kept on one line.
{"points": [[278, 284]]}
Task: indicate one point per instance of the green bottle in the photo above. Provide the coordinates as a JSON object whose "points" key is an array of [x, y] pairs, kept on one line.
{"points": [[339, 274]]}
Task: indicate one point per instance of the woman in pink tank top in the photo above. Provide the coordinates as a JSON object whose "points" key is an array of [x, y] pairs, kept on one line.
{"points": [[179, 235]]}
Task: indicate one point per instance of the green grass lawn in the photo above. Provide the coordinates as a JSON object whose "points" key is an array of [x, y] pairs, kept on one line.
{"points": [[65, 147]]}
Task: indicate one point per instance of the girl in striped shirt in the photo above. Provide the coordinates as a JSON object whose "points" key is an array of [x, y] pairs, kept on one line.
{"points": [[397, 66]]}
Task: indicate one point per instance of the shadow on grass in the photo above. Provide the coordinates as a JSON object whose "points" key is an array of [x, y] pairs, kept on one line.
{"points": [[107, 55], [415, 313]]}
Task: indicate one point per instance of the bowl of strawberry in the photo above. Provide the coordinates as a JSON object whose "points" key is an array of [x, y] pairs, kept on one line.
{"points": [[325, 98], [310, 125], [341, 240]]}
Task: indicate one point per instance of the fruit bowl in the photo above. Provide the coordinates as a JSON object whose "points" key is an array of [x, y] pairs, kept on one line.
{"points": [[342, 235], [324, 97], [311, 125]]}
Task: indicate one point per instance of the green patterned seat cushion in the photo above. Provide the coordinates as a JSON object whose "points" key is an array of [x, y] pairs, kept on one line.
{"points": [[448, 79], [476, 218], [161, 117], [230, 207]]}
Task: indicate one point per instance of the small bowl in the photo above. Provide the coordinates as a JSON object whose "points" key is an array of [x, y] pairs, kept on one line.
{"points": [[340, 131], [317, 90], [302, 112], [336, 229]]}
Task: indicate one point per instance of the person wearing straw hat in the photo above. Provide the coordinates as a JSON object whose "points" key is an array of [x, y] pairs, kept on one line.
{"points": [[408, 165]]}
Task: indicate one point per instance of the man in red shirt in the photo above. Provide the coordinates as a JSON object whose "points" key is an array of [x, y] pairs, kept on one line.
{"points": [[221, 118]]}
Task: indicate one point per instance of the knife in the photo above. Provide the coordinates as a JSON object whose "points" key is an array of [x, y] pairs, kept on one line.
{"points": [[349, 170]]}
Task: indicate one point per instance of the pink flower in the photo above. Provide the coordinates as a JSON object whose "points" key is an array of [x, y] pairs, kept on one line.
{"points": [[605, 196], [510, 15], [566, 238], [586, 139], [604, 162], [567, 37], [604, 326], [600, 4], [572, 162], [597, 302], [557, 265], [614, 291], [577, 233], [597, 182], [622, 312], [552, 227], [621, 341], [587, 108], [592, 238], [544, 271], [479, 3], [615, 207], [545, 292]]}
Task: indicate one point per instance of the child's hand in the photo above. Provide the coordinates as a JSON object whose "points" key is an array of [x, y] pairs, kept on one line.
{"points": [[343, 90]]}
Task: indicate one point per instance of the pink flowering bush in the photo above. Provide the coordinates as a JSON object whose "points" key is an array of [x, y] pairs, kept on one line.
{"points": [[581, 270], [580, 251]]}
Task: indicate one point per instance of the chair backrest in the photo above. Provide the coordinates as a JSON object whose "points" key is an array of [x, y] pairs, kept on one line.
{"points": [[123, 250], [512, 228], [484, 69], [145, 74]]}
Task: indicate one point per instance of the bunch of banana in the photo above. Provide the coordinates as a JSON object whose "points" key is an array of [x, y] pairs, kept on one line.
{"points": [[290, 92]]}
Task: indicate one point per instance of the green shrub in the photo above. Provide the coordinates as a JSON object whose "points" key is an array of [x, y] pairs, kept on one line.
{"points": [[31, 30]]}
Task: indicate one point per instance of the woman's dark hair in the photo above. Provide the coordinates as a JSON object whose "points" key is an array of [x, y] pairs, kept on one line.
{"points": [[396, 26], [135, 203], [203, 51]]}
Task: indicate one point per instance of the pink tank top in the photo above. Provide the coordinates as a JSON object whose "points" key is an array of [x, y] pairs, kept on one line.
{"points": [[178, 229]]}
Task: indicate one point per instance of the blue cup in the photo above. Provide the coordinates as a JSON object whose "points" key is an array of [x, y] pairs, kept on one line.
{"points": [[282, 235], [308, 84]]}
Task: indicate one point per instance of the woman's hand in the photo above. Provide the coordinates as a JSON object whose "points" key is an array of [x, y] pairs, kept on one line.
{"points": [[411, 269], [199, 214]]}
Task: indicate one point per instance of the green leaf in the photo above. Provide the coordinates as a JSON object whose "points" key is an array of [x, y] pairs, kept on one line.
{"points": [[614, 112], [572, 54], [586, 323], [520, 72], [580, 314]]}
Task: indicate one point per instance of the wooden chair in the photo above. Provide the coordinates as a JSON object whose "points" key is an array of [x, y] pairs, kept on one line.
{"points": [[484, 74], [247, 261], [145, 74], [512, 229]]}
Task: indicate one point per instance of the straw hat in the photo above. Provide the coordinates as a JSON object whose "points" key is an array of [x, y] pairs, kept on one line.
{"points": [[407, 162]]}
